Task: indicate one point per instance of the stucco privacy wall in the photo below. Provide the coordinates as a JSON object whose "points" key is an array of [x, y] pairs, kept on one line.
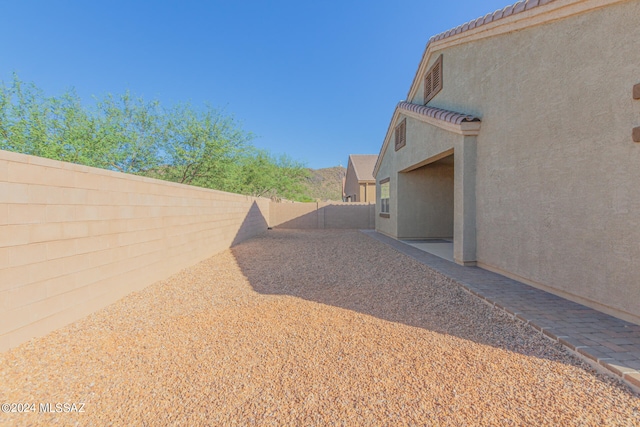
{"points": [[558, 200], [74, 239], [322, 215]]}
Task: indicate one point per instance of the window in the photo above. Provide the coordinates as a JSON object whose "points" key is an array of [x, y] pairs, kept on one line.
{"points": [[401, 134], [433, 80], [384, 198]]}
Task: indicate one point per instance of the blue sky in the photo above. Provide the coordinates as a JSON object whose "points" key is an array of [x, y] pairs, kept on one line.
{"points": [[317, 80]]}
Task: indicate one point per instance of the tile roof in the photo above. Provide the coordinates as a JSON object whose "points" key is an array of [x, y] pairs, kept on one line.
{"points": [[498, 15], [363, 165], [438, 113], [513, 9]]}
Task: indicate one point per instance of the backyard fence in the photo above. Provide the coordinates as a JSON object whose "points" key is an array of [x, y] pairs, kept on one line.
{"points": [[74, 239]]}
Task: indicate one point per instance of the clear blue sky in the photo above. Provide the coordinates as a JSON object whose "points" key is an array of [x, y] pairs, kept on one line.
{"points": [[317, 80]]}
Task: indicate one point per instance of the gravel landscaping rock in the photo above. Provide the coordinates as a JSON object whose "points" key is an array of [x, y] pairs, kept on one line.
{"points": [[307, 328]]}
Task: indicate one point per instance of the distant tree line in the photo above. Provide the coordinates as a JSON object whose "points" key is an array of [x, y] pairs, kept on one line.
{"points": [[203, 147]]}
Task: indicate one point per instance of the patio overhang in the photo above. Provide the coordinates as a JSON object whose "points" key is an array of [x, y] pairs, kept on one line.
{"points": [[450, 121], [432, 135]]}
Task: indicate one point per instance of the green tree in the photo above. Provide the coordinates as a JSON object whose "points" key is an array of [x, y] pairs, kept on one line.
{"points": [[71, 133], [202, 148], [263, 175], [24, 120], [130, 134], [207, 147]]}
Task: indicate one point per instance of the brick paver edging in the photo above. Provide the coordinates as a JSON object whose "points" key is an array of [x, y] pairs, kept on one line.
{"points": [[609, 344]]}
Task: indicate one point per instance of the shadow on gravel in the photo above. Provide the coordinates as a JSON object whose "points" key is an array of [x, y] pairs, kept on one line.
{"points": [[347, 269]]}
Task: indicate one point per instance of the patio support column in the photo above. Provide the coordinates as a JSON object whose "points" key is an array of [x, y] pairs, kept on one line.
{"points": [[464, 201]]}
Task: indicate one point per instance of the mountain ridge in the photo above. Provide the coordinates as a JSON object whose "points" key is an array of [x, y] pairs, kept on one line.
{"points": [[325, 184]]}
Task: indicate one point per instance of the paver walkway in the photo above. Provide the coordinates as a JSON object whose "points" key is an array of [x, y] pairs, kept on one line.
{"points": [[595, 336]]}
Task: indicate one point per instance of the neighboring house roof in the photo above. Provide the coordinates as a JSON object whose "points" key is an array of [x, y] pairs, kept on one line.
{"points": [[363, 165]]}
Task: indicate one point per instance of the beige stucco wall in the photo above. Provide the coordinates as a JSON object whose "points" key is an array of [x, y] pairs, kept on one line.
{"points": [[367, 192], [558, 200], [360, 191], [74, 239], [322, 215], [426, 196], [388, 226], [424, 143]]}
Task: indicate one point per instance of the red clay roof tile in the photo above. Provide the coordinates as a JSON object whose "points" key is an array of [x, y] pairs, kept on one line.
{"points": [[513, 9], [508, 11], [532, 3], [438, 113], [518, 7], [363, 165]]}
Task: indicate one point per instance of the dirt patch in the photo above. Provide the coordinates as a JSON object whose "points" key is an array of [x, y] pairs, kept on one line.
{"points": [[307, 328]]}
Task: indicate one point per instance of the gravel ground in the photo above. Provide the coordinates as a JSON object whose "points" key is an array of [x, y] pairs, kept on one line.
{"points": [[307, 328]]}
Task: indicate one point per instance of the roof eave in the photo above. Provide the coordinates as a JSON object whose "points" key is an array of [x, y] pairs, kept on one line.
{"points": [[520, 15], [450, 121]]}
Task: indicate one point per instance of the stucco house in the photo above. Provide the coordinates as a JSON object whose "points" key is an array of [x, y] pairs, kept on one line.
{"points": [[518, 139], [359, 183]]}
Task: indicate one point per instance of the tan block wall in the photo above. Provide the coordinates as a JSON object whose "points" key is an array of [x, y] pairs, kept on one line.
{"points": [[347, 215], [74, 239], [294, 215], [322, 215]]}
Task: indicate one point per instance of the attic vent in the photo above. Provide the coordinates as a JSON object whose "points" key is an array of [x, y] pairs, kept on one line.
{"points": [[433, 80], [401, 134]]}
